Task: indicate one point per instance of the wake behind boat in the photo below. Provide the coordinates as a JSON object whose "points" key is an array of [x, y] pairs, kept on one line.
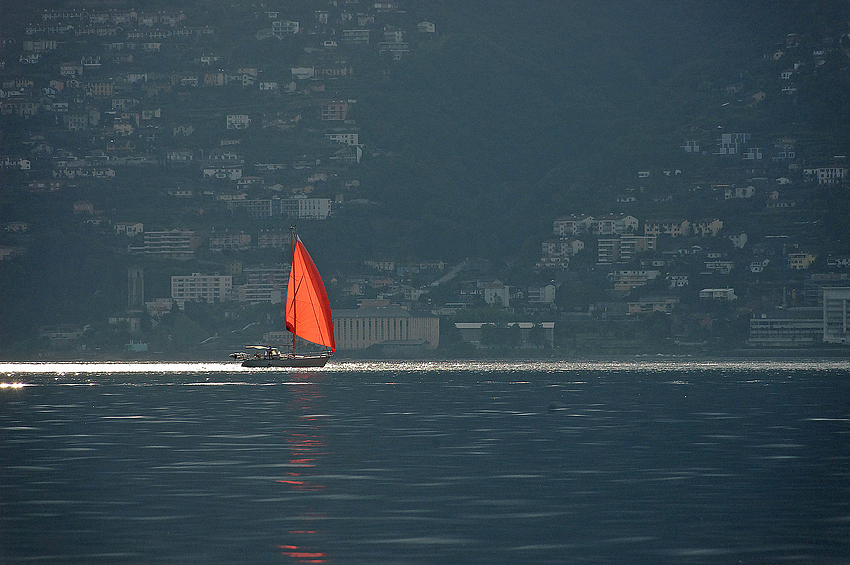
{"points": [[308, 316]]}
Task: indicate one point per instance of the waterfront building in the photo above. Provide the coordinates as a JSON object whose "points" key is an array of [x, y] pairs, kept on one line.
{"points": [[390, 326], [835, 326]]}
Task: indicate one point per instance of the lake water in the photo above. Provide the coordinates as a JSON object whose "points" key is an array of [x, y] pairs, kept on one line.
{"points": [[426, 463]]}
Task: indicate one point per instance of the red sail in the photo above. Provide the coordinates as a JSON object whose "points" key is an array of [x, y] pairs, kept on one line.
{"points": [[308, 312]]}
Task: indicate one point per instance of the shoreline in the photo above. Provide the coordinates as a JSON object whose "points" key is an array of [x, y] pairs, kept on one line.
{"points": [[814, 354]]}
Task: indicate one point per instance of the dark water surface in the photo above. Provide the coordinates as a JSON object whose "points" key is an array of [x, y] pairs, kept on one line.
{"points": [[406, 463]]}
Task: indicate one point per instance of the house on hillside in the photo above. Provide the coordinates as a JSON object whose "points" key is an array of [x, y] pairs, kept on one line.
{"points": [[800, 260], [663, 304], [556, 252], [708, 227], [739, 192], [611, 224], [732, 143], [238, 121], [832, 175], [496, 294], [571, 225], [130, 229], [627, 280], [722, 294], [673, 227]]}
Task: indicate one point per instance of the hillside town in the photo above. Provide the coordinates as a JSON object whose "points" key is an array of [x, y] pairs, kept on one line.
{"points": [[729, 247]]}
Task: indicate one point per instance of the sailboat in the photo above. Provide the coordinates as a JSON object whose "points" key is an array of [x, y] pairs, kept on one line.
{"points": [[308, 316]]}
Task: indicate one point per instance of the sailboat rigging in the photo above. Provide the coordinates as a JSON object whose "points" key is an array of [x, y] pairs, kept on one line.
{"points": [[308, 316]]}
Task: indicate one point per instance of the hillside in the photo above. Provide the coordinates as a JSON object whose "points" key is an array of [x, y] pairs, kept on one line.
{"points": [[420, 132], [516, 114]]}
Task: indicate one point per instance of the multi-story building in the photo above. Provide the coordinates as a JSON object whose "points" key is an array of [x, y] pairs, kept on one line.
{"points": [[220, 241], [708, 227], [296, 208], [827, 175], [800, 260], [257, 209], [285, 27], [304, 208], [336, 110], [732, 143], [347, 138], [664, 304], [130, 229], [201, 288], [720, 267], [723, 294], [275, 239], [169, 244], [562, 246], [223, 172], [496, 294], [613, 224], [264, 284], [387, 325], [835, 321], [673, 228], [355, 36], [626, 281], [238, 121], [623, 249], [542, 294], [787, 327], [571, 225]]}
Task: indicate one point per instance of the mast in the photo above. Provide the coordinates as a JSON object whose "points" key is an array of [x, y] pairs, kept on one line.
{"points": [[292, 266]]}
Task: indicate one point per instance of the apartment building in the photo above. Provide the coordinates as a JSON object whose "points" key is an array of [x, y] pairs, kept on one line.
{"points": [[201, 288]]}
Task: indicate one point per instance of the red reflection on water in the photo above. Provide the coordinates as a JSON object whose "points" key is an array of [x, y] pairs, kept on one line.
{"points": [[306, 447], [302, 555]]}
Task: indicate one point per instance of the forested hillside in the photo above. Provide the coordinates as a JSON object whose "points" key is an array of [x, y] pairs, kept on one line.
{"points": [[521, 112]]}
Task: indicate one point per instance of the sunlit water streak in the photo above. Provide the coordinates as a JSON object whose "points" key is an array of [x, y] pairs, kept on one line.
{"points": [[642, 461], [639, 365]]}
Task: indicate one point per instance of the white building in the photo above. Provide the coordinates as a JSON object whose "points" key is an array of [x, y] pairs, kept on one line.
{"points": [[739, 192], [303, 208], [389, 326], [835, 322], [129, 229], [285, 27], [220, 241], [201, 288], [345, 138], [264, 284], [542, 295], [727, 294], [787, 327], [827, 175], [238, 121], [171, 244], [571, 225], [497, 294], [565, 246]]}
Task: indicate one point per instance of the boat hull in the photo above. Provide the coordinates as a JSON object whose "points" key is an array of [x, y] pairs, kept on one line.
{"points": [[291, 361]]}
